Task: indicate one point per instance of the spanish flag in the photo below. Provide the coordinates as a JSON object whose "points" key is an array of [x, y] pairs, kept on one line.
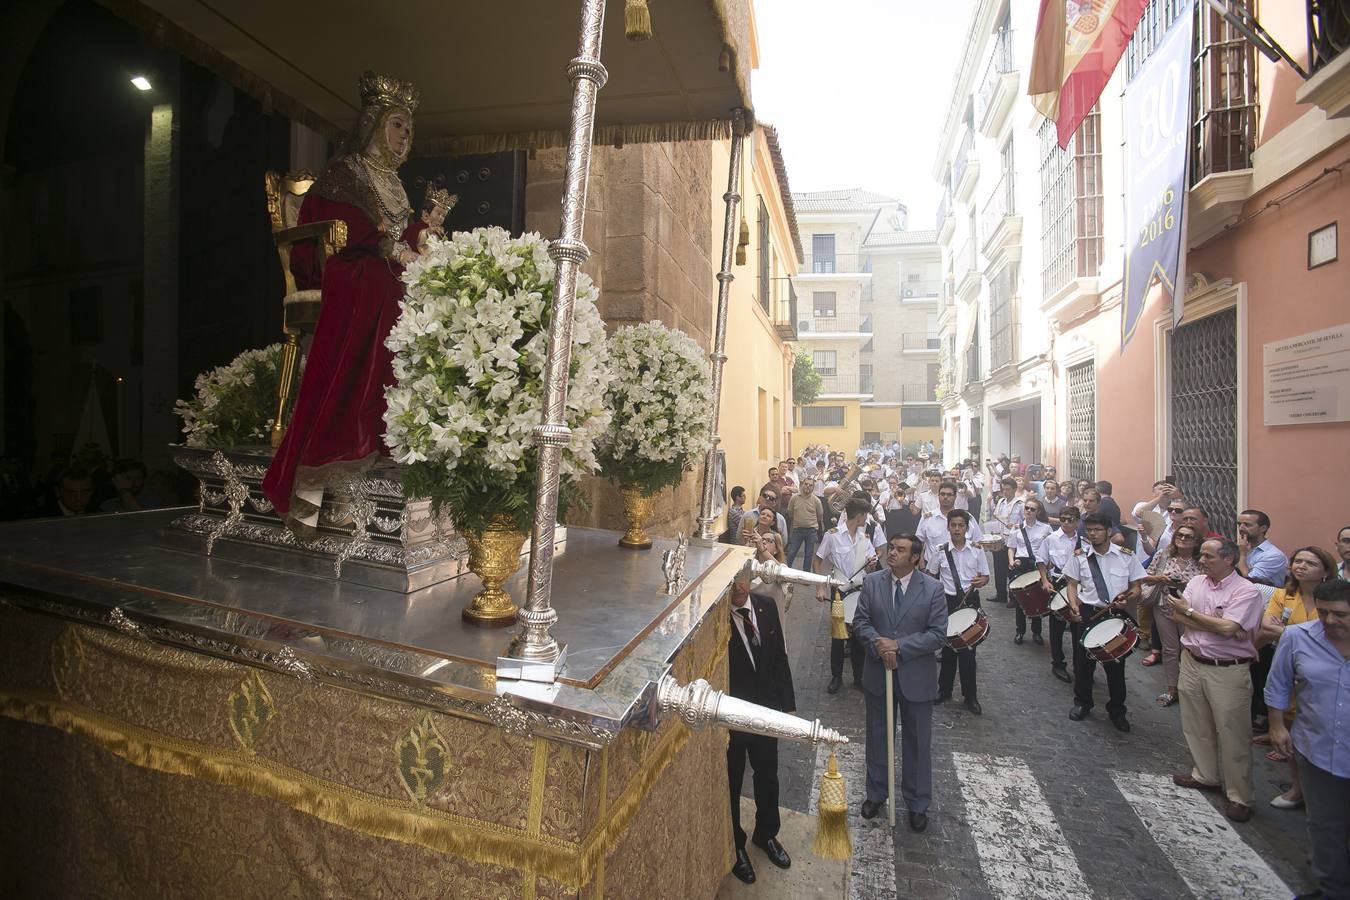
{"points": [[1078, 43]]}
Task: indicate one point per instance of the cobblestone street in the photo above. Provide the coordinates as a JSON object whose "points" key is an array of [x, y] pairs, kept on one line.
{"points": [[1027, 803]]}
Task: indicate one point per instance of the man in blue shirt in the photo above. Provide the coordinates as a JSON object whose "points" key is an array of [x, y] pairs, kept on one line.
{"points": [[1260, 560], [1315, 656]]}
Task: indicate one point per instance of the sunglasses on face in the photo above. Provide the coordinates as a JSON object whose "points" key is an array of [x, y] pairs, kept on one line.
{"points": [[1175, 509], [769, 496], [1185, 536]]}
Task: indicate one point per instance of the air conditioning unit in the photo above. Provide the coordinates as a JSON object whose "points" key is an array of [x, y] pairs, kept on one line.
{"points": [[804, 325], [909, 292]]}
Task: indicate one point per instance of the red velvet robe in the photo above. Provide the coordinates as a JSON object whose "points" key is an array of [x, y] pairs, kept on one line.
{"points": [[338, 423]]}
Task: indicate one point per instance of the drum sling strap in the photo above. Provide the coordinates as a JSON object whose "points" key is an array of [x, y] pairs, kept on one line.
{"points": [[1098, 581], [956, 576], [1026, 542]]}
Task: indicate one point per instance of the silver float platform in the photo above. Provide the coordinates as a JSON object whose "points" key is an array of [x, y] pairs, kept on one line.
{"points": [[621, 629]]}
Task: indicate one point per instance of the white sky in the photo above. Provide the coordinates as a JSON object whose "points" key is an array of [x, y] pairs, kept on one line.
{"points": [[858, 90]]}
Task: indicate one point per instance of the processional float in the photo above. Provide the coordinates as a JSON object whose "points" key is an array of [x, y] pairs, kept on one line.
{"points": [[538, 767]]}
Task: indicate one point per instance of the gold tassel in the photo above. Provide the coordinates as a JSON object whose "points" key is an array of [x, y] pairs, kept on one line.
{"points": [[837, 627], [832, 839], [742, 241], [637, 20]]}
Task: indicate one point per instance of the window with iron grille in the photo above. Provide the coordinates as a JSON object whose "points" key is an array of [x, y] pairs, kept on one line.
{"points": [[920, 416], [1223, 134], [764, 253], [824, 303], [1082, 421], [825, 361], [822, 416], [1071, 204], [1002, 327], [1203, 416]]}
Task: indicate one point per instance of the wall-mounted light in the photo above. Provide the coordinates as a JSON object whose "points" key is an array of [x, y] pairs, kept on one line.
{"points": [[141, 82]]}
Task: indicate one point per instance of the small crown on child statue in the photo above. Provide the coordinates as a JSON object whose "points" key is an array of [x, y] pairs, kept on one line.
{"points": [[386, 90], [439, 196]]}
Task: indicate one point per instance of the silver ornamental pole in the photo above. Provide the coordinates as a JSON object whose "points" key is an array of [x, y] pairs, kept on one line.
{"points": [[535, 641], [732, 198]]}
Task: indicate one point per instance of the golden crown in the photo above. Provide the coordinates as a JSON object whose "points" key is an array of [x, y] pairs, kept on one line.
{"points": [[385, 91], [439, 196]]}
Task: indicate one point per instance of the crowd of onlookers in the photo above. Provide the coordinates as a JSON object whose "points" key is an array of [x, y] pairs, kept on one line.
{"points": [[85, 482], [1287, 618]]}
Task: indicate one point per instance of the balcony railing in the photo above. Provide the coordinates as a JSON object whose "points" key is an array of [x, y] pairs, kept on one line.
{"points": [[1001, 204], [840, 323], [963, 152], [1225, 90], [1003, 346], [846, 384], [920, 341], [781, 306], [973, 373], [918, 393], [1000, 63], [944, 209], [965, 260], [1328, 31], [836, 264]]}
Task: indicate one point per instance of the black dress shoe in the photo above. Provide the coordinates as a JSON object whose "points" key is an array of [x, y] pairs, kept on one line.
{"points": [[834, 685], [871, 808], [1017, 639], [974, 706], [742, 869], [941, 699], [1012, 604], [918, 820], [1079, 713], [1121, 723], [1060, 672], [1037, 638], [775, 852]]}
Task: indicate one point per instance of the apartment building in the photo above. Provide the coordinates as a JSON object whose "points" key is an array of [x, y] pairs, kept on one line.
{"points": [[996, 385]]}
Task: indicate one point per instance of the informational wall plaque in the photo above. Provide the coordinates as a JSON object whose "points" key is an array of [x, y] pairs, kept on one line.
{"points": [[1307, 378]]}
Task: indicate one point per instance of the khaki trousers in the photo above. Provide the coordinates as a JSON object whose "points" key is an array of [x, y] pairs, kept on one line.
{"points": [[1216, 720]]}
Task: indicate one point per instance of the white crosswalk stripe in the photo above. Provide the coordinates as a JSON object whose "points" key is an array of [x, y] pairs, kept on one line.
{"points": [[1205, 850], [1022, 849], [873, 864]]}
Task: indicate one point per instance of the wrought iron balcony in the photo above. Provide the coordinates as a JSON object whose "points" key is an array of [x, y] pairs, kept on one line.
{"points": [[836, 264], [1001, 204], [962, 165], [972, 372], [920, 342], [840, 322], [993, 86], [918, 393], [1328, 31], [1003, 346], [781, 306], [944, 209], [845, 384]]}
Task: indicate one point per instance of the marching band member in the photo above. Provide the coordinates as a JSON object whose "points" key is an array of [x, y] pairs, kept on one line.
{"points": [[1105, 576], [1008, 511], [1026, 548], [963, 570], [1059, 550], [844, 553], [933, 529]]}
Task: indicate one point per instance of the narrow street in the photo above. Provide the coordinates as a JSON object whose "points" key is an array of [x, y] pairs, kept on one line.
{"points": [[1027, 803]]}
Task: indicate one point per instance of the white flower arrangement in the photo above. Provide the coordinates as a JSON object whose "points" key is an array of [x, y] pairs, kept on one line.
{"points": [[469, 350], [661, 396], [233, 404]]}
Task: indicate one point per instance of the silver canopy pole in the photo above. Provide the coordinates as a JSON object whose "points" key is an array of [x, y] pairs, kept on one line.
{"points": [[732, 198], [535, 642]]}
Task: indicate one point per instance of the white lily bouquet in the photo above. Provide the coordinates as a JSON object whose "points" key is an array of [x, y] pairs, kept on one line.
{"points": [[660, 396], [233, 404], [469, 351]]}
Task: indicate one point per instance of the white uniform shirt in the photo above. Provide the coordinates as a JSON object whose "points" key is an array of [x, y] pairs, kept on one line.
{"points": [[846, 555], [933, 531], [970, 563], [1037, 532], [1118, 566], [1009, 512], [878, 533], [1059, 549]]}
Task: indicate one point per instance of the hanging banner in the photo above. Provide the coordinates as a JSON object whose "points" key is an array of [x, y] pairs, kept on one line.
{"points": [[1157, 150]]}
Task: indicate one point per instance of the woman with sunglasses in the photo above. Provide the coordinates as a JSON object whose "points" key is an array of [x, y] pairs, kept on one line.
{"points": [[1290, 605], [1173, 568]]}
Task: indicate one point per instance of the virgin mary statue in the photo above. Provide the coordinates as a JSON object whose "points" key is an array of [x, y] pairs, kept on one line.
{"points": [[337, 427]]}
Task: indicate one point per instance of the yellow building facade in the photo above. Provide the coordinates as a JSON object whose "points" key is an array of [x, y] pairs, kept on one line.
{"points": [[756, 413]]}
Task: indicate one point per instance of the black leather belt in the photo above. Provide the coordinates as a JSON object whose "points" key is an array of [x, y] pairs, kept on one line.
{"points": [[1205, 660]]}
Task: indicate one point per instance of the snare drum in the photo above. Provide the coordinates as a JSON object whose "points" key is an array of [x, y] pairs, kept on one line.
{"points": [[1110, 640], [1026, 589], [966, 628], [1059, 605]]}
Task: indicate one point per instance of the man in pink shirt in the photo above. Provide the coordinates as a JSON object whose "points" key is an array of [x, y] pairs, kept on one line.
{"points": [[1221, 612]]}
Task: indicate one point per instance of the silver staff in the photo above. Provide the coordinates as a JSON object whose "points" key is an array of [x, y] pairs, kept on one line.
{"points": [[535, 641], [698, 704], [732, 198]]}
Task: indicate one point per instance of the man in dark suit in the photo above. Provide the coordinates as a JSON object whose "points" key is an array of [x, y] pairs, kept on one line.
{"points": [[902, 622], [757, 671]]}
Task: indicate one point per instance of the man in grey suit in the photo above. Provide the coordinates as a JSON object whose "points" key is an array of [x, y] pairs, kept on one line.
{"points": [[902, 622]]}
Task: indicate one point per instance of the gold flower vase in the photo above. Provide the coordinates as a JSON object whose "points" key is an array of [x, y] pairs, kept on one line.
{"points": [[636, 508], [494, 556]]}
